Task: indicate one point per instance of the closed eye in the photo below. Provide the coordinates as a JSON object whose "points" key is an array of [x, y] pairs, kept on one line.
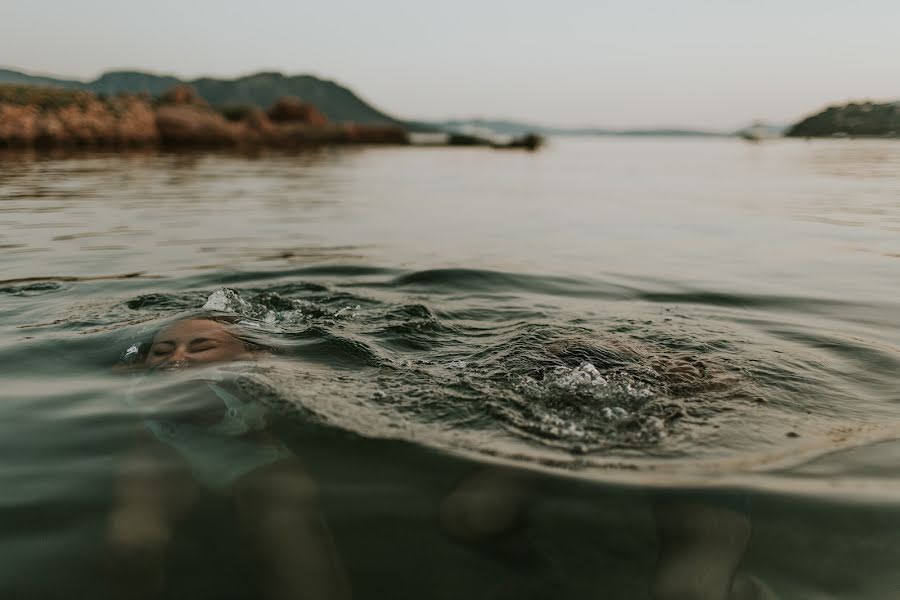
{"points": [[162, 349], [203, 345]]}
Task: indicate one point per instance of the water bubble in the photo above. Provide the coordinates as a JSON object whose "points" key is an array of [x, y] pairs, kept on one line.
{"points": [[227, 300], [584, 374], [615, 413]]}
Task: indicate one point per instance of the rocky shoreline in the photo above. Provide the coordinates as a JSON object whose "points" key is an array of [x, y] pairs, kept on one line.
{"points": [[44, 117]]}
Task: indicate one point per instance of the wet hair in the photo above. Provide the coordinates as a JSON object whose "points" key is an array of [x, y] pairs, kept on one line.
{"points": [[247, 331]]}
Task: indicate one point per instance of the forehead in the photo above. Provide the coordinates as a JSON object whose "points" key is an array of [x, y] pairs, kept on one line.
{"points": [[194, 328]]}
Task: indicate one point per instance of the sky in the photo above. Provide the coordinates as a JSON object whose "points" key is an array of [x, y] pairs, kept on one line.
{"points": [[715, 64]]}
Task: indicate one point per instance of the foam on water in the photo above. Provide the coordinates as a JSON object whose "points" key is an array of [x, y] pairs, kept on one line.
{"points": [[271, 308]]}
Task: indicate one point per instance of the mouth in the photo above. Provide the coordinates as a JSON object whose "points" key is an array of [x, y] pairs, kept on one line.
{"points": [[170, 367]]}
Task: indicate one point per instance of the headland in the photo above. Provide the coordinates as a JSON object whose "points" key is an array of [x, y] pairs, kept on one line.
{"points": [[47, 117]]}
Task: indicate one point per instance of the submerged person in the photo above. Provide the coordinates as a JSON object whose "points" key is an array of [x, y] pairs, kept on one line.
{"points": [[702, 536], [202, 433], [209, 437]]}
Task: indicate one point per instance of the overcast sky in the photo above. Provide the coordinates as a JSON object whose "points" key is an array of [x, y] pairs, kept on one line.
{"points": [[700, 63]]}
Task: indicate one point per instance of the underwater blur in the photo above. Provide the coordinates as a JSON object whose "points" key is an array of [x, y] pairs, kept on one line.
{"points": [[506, 375]]}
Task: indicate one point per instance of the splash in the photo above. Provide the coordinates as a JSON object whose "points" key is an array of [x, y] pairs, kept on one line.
{"points": [[274, 309], [583, 410]]}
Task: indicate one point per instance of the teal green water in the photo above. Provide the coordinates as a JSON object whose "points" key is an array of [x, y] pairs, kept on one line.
{"points": [[621, 319]]}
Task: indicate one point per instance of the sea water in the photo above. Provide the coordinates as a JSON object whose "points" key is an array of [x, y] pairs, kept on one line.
{"points": [[621, 320]]}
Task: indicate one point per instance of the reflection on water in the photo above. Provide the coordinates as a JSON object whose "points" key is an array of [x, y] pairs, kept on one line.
{"points": [[615, 368], [839, 158]]}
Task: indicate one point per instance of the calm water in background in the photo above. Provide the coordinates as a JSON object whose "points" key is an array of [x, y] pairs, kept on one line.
{"points": [[421, 289]]}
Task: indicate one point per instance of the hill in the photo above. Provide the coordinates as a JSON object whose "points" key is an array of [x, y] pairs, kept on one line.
{"points": [[338, 103], [856, 119]]}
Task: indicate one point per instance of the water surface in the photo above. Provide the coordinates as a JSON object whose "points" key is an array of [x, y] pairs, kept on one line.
{"points": [[620, 318]]}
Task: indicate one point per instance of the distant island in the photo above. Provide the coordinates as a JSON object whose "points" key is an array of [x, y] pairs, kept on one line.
{"points": [[506, 127], [856, 119]]}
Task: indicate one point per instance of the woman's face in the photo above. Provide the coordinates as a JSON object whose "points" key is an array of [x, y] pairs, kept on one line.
{"points": [[194, 342]]}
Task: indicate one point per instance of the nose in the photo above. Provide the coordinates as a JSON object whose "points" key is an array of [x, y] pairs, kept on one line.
{"points": [[180, 354]]}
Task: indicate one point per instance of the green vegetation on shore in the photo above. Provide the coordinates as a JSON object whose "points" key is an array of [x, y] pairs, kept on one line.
{"points": [[863, 119], [43, 98]]}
